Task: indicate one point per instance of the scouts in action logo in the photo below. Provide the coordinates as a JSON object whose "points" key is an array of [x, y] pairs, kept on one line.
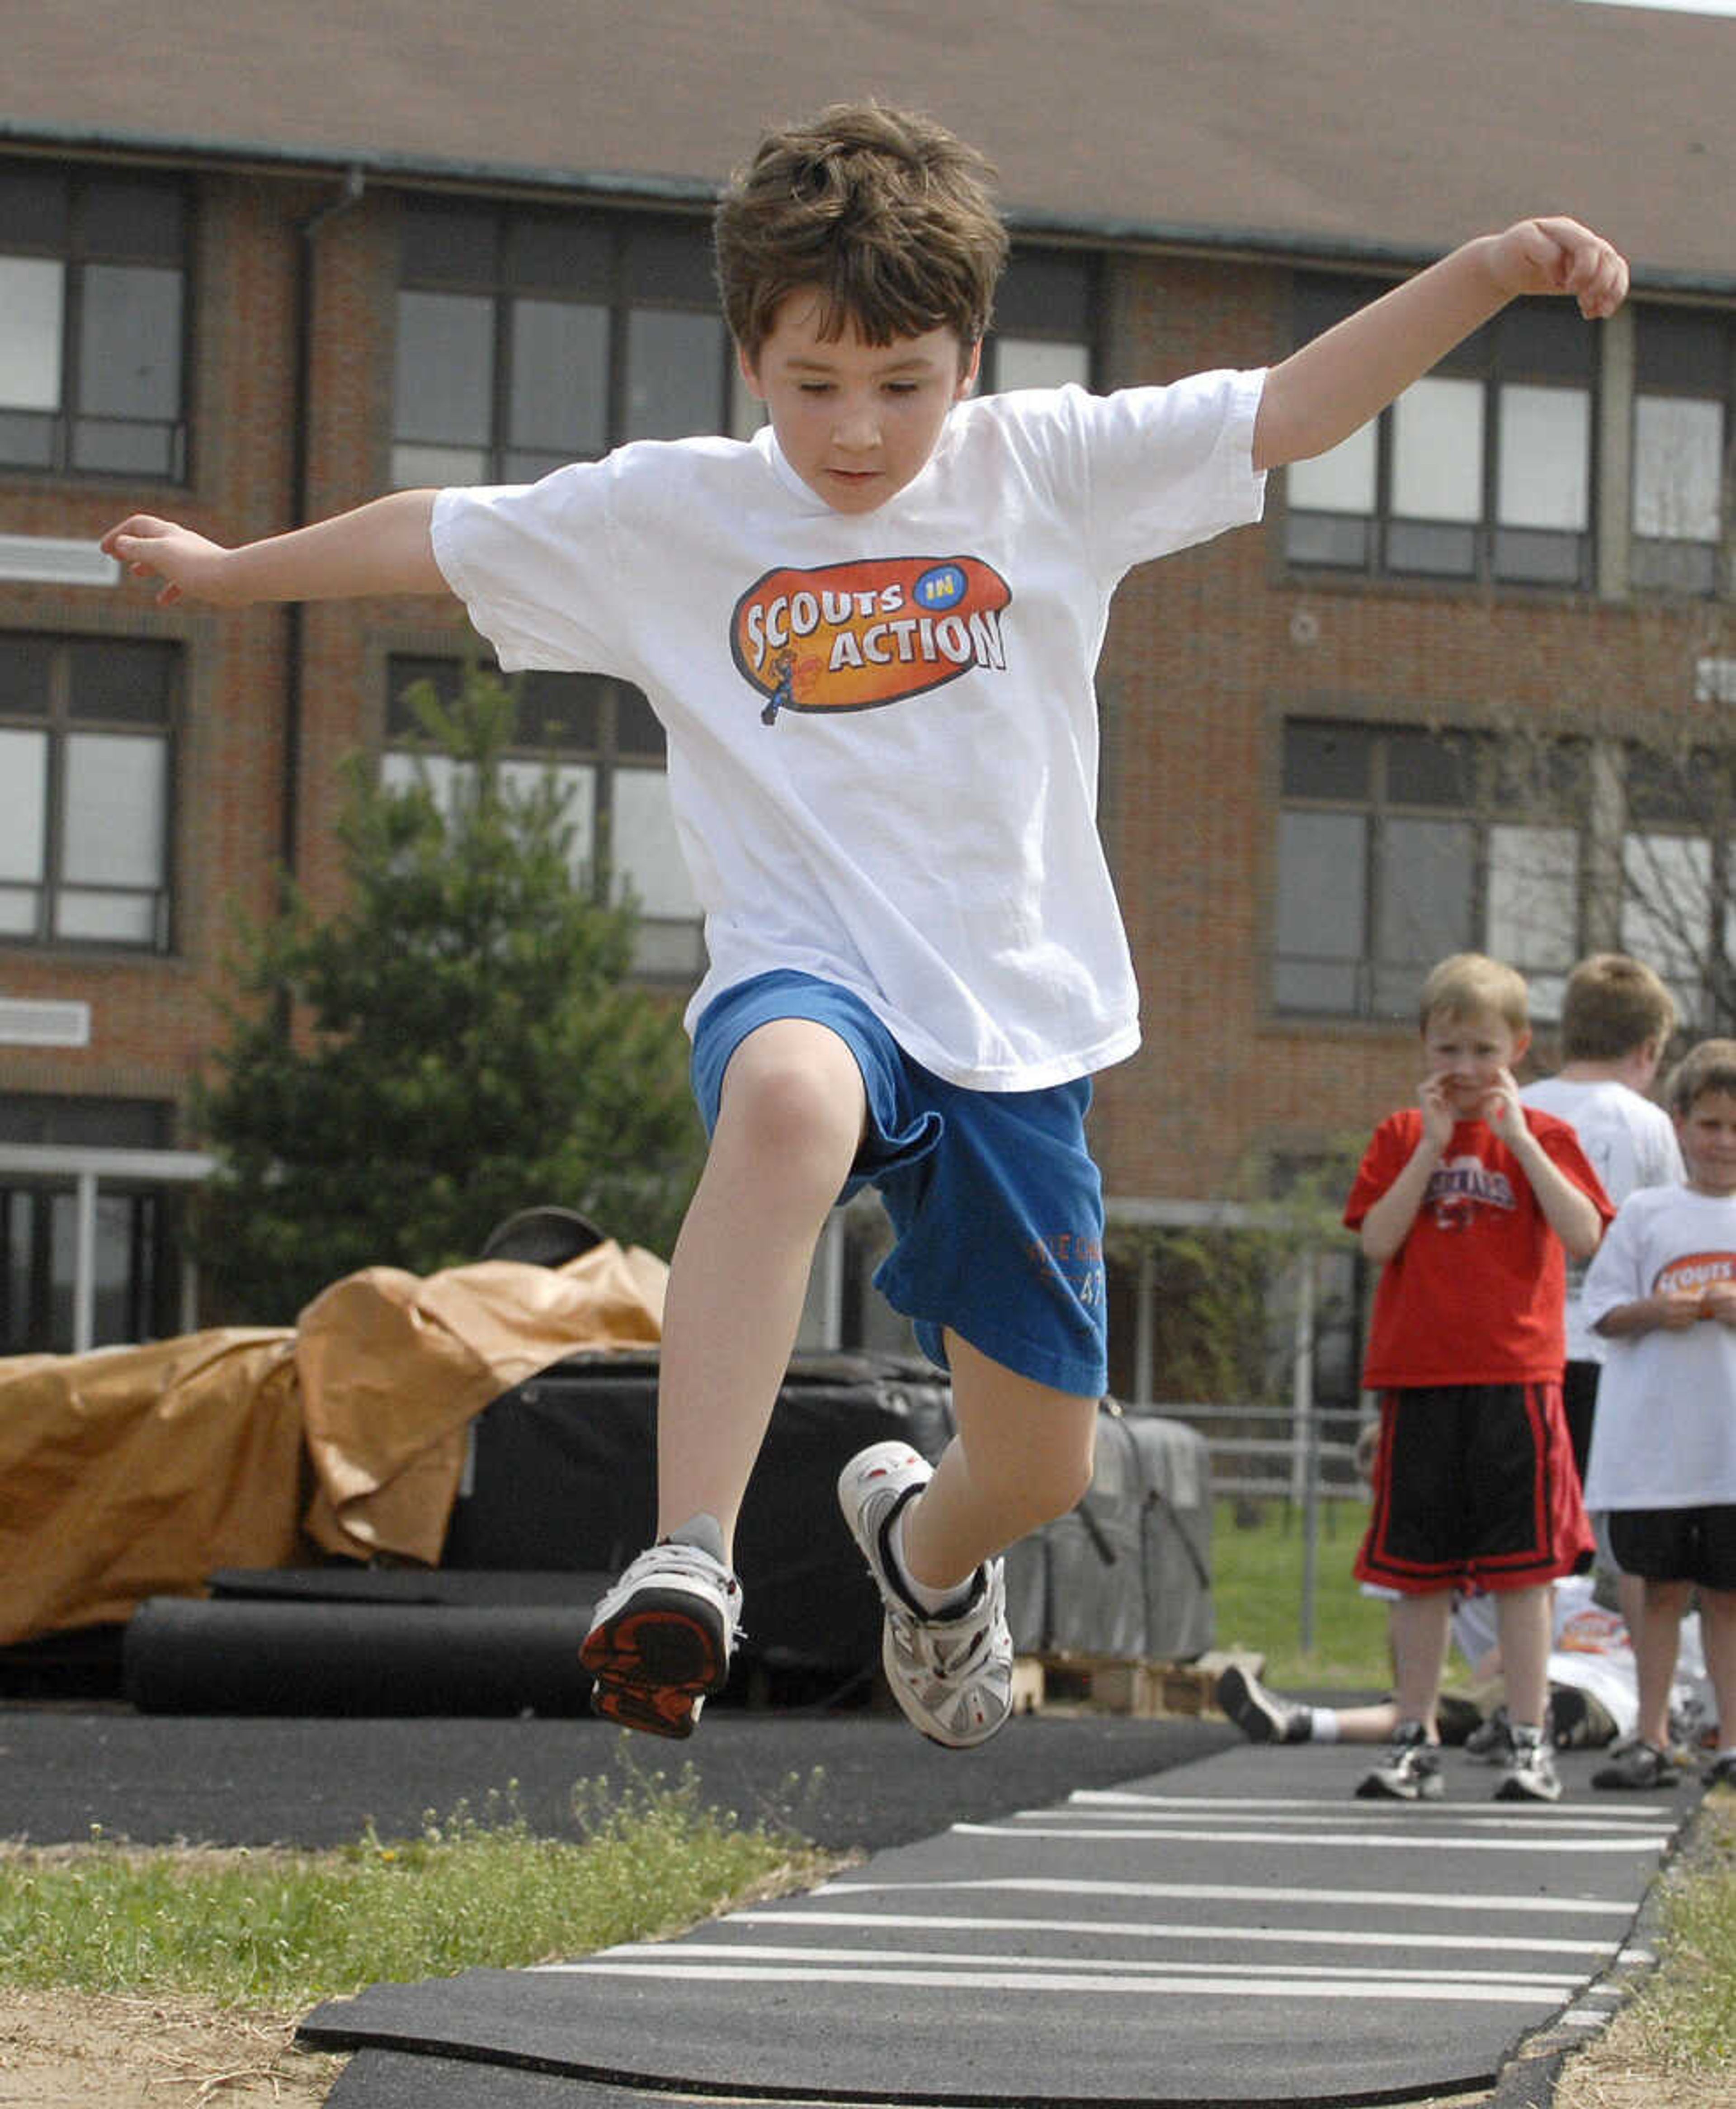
{"points": [[854, 637]]}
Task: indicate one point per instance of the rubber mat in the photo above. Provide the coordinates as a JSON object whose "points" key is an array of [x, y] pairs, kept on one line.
{"points": [[1237, 1930]]}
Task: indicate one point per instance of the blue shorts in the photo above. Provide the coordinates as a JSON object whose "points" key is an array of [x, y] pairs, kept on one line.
{"points": [[997, 1206]]}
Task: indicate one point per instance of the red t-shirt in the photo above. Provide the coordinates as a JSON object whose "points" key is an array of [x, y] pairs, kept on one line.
{"points": [[1475, 1295]]}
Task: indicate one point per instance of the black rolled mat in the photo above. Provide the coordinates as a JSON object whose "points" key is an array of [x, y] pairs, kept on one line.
{"points": [[192, 1655]]}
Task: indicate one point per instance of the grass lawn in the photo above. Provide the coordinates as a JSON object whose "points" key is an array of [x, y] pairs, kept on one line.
{"points": [[1257, 1558]]}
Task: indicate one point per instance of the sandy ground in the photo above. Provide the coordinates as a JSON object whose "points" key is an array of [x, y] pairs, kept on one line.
{"points": [[79, 2050]]}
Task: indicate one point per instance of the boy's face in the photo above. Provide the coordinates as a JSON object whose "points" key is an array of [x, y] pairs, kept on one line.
{"points": [[856, 421], [1707, 1134], [1467, 1050]]}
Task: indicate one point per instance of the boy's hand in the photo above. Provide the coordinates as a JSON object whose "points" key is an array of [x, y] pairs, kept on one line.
{"points": [[1560, 256], [1439, 1119], [191, 566], [1718, 1303], [1501, 1108], [1677, 1309]]}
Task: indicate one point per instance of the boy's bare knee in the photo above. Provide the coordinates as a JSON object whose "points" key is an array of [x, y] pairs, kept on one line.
{"points": [[793, 1099]]}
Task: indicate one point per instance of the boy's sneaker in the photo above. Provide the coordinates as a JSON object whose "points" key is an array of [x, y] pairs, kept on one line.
{"points": [[1529, 1774], [1637, 1767], [1410, 1771], [1261, 1715], [1721, 1772], [1491, 1742], [662, 1639], [951, 1675]]}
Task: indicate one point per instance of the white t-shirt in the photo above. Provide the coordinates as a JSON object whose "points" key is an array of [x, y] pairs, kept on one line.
{"points": [[883, 729], [1664, 1436], [1631, 1143]]}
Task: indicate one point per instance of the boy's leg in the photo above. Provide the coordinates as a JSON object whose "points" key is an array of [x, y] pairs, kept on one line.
{"points": [[1524, 1621], [1656, 1642], [932, 1537], [1718, 1639], [1420, 1627], [790, 1119], [1022, 1455]]}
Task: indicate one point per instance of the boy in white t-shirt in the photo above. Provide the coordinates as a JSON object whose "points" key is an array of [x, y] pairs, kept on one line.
{"points": [[870, 635], [1616, 1018], [1661, 1292]]}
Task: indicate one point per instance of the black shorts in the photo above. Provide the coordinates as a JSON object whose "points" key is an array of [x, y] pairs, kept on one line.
{"points": [[1475, 1487], [1677, 1544], [1578, 1399]]}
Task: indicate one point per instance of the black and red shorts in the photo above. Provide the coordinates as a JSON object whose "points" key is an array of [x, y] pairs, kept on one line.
{"points": [[1475, 1487]]}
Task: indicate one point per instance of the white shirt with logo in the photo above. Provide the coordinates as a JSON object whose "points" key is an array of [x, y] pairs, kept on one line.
{"points": [[1631, 1143], [1664, 1435], [882, 728]]}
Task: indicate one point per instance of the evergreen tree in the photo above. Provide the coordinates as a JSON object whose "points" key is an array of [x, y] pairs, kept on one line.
{"points": [[456, 1043]]}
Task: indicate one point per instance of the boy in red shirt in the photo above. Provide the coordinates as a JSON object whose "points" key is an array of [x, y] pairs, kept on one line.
{"points": [[1470, 1202]]}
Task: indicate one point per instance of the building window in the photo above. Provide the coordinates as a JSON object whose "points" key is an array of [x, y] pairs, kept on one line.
{"points": [[606, 749], [1480, 470], [86, 768], [1678, 878], [527, 339], [1684, 377], [93, 276], [137, 1254], [1398, 846], [1043, 336]]}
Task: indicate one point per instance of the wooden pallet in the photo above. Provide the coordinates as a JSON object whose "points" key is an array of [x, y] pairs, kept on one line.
{"points": [[1064, 1684]]}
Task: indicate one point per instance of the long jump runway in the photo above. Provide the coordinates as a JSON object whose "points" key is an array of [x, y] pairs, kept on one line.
{"points": [[1237, 1930]]}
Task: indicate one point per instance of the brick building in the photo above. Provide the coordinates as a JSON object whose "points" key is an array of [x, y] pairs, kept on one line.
{"points": [[255, 270]]}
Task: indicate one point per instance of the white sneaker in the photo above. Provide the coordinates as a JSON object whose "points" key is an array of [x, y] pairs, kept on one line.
{"points": [[1409, 1771], [952, 1676], [662, 1638], [1529, 1774]]}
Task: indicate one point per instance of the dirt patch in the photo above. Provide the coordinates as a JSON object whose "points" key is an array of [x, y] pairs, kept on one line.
{"points": [[75, 2050]]}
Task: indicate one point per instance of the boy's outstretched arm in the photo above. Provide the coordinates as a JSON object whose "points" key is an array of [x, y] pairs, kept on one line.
{"points": [[383, 547], [1334, 385]]}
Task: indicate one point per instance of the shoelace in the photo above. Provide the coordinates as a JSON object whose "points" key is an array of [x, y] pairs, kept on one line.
{"points": [[694, 1558]]}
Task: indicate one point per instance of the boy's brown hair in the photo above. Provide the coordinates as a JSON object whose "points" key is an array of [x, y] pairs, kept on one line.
{"points": [[1710, 1067], [884, 213], [1471, 981], [1613, 1006]]}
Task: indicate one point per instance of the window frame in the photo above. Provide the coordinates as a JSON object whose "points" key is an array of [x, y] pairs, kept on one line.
{"points": [[622, 282], [60, 721], [1524, 348], [77, 251], [1484, 808], [1046, 296], [1668, 367], [620, 709]]}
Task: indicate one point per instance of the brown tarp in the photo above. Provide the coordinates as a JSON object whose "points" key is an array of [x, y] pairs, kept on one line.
{"points": [[135, 1472]]}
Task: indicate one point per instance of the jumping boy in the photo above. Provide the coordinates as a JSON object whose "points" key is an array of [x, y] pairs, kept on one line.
{"points": [[870, 635], [1470, 1202], [1662, 1293]]}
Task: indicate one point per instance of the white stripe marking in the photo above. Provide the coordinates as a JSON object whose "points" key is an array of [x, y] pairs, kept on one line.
{"points": [[1429, 1839], [1349, 1817], [1447, 1989], [1565, 1907], [1481, 1943], [947, 1962], [1083, 1799]]}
